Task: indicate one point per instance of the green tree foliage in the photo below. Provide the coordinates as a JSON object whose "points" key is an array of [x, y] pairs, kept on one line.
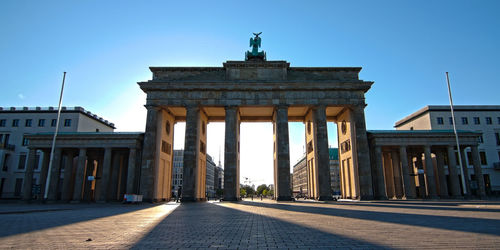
{"points": [[243, 192], [270, 192], [261, 188], [264, 192]]}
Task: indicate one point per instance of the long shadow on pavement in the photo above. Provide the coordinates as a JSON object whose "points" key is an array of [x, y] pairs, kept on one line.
{"points": [[18, 223], [207, 225], [455, 206], [472, 225]]}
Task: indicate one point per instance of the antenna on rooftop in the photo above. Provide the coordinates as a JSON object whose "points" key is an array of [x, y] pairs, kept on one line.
{"points": [[47, 183]]}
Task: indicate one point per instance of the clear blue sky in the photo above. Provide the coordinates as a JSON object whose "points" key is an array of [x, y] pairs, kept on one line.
{"points": [[107, 46]]}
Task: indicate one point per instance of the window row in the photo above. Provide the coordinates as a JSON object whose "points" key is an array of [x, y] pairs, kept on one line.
{"points": [[29, 122], [465, 120]]}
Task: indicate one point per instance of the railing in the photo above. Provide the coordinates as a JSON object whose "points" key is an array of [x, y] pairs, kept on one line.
{"points": [[496, 165], [8, 147]]}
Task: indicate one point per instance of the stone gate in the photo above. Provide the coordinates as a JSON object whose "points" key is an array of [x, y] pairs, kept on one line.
{"points": [[255, 90]]}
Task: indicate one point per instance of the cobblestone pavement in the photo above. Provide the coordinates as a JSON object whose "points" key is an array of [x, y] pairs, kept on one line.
{"points": [[254, 225]]}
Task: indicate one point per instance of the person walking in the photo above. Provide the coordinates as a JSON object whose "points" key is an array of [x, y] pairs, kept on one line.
{"points": [[179, 192]]}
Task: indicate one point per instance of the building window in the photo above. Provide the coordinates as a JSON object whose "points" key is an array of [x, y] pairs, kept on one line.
{"points": [[482, 155], [3, 122], [465, 121], [15, 123], [440, 120], [450, 120], [469, 158], [53, 123], [488, 120], [22, 162], [18, 187], [26, 141], [67, 123], [497, 136], [5, 166], [41, 123], [477, 121], [481, 139], [28, 123], [498, 120]]}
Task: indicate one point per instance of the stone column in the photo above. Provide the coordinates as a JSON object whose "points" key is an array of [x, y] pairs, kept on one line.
{"points": [[28, 175], [191, 165], [465, 168], [55, 175], [80, 175], [281, 154], [106, 174], [409, 190], [429, 173], [131, 171], [231, 155], [150, 148], [67, 193], [380, 190], [397, 174], [443, 186], [44, 172], [363, 171], [452, 169], [388, 175], [478, 172], [114, 175], [322, 153]]}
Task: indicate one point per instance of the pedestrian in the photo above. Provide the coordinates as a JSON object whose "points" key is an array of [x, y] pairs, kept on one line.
{"points": [[179, 192]]}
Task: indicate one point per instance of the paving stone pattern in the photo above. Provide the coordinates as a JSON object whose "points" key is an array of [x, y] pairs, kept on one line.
{"points": [[254, 225]]}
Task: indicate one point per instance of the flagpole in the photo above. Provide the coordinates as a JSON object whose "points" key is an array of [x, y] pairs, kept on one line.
{"points": [[47, 182], [456, 137]]}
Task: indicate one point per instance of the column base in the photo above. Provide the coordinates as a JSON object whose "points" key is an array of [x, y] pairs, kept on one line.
{"points": [[230, 199], [325, 198], [284, 198]]}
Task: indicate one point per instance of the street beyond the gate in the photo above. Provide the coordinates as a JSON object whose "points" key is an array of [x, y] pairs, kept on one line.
{"points": [[253, 225]]}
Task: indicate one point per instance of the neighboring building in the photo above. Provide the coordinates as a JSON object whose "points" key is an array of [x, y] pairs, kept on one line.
{"points": [[210, 179], [334, 170], [477, 118], [300, 178], [16, 123], [300, 175], [177, 173], [218, 178]]}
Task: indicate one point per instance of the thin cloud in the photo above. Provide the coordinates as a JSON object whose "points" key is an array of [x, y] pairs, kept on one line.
{"points": [[21, 96]]}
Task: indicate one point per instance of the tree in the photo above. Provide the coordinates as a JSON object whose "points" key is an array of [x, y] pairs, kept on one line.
{"points": [[270, 192], [243, 192], [261, 188], [264, 192]]}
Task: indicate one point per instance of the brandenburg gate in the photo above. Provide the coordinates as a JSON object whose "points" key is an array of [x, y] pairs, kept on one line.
{"points": [[254, 90]]}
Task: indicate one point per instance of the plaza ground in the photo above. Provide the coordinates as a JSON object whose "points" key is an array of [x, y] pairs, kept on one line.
{"points": [[253, 225]]}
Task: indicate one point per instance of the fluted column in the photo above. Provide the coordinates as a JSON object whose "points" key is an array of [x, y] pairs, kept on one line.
{"points": [[465, 167], [67, 193], [149, 162], [396, 167], [106, 175], [443, 186], [44, 172], [55, 175], [429, 173], [281, 154], [322, 153], [231, 155], [28, 175], [478, 172], [131, 171], [409, 189], [380, 191], [80, 175], [452, 169], [363, 171]]}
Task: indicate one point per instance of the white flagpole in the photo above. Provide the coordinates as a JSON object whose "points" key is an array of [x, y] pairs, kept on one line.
{"points": [[456, 137], [47, 182]]}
